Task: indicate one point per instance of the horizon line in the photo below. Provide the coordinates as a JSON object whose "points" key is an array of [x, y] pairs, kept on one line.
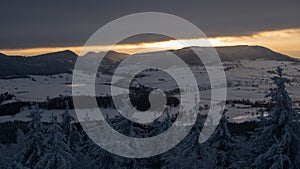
{"points": [[284, 41], [62, 49]]}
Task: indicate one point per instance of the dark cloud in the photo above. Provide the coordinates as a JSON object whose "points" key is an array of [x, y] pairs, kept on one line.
{"points": [[70, 23]]}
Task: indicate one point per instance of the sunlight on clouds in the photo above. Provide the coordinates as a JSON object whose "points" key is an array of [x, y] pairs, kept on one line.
{"points": [[284, 41]]}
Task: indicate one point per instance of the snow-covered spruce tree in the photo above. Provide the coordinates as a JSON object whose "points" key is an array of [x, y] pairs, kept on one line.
{"points": [[100, 158], [275, 142], [33, 143], [20, 137], [3, 162], [17, 165], [124, 125], [221, 146], [67, 126], [57, 154], [159, 126], [73, 138], [188, 153]]}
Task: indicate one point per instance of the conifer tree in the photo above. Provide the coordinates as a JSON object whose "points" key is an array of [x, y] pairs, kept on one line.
{"points": [[33, 147], [73, 139], [187, 154], [275, 142], [222, 146], [57, 154]]}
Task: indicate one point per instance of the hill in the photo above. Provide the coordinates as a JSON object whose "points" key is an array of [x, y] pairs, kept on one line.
{"points": [[232, 53], [64, 61]]}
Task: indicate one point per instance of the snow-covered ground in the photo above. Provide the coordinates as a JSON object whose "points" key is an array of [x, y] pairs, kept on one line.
{"points": [[247, 80]]}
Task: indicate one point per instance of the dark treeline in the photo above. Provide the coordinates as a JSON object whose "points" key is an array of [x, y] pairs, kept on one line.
{"points": [[8, 134], [140, 100], [266, 105]]}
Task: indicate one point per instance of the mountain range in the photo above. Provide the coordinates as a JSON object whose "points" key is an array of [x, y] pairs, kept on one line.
{"points": [[64, 61]]}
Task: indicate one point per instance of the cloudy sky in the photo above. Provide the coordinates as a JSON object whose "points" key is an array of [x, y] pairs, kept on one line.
{"points": [[31, 27]]}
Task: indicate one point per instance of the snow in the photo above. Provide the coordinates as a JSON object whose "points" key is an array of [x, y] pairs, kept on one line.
{"points": [[249, 80]]}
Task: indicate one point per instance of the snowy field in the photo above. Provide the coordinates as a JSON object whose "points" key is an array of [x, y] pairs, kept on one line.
{"points": [[247, 80]]}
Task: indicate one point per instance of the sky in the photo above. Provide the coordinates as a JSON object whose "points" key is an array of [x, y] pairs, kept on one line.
{"points": [[34, 27]]}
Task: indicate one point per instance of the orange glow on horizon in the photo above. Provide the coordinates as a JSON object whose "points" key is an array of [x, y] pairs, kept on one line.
{"points": [[285, 41]]}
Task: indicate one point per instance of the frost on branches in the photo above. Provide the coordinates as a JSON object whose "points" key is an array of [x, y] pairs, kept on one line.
{"points": [[275, 143], [33, 148], [58, 154], [222, 147]]}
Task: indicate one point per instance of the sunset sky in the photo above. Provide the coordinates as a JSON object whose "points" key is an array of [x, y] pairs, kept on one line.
{"points": [[31, 28]]}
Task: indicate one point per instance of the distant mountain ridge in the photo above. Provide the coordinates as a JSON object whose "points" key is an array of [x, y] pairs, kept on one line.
{"points": [[251, 53], [64, 61], [233, 53], [45, 64]]}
